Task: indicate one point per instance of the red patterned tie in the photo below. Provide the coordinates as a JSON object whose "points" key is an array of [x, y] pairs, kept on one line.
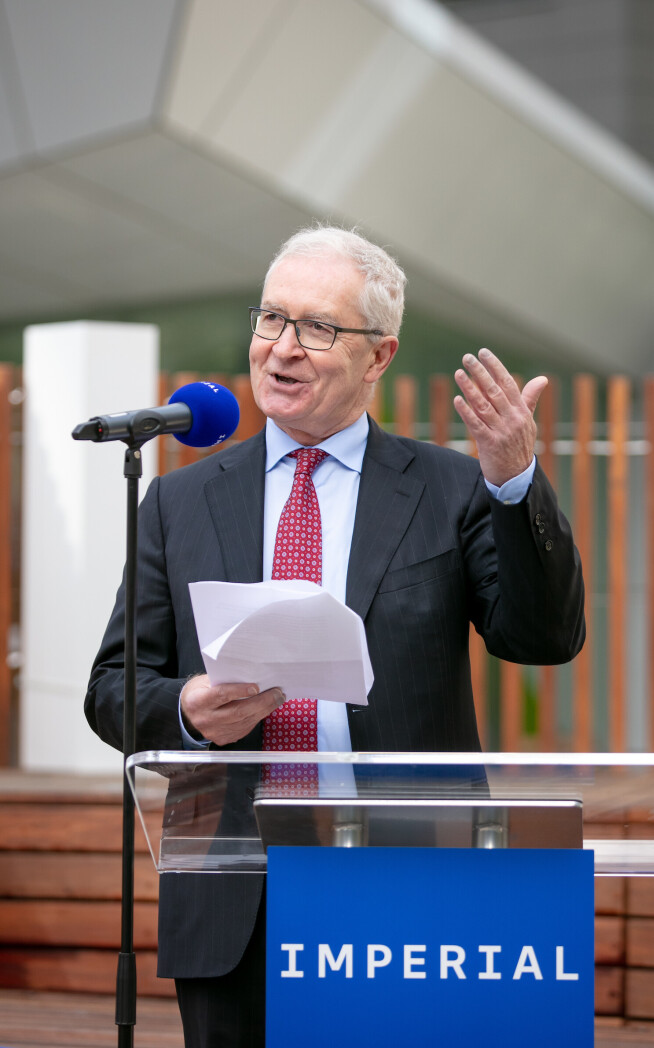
{"points": [[298, 555]]}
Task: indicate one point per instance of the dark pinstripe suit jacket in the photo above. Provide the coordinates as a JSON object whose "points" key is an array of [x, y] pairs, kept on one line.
{"points": [[430, 553]]}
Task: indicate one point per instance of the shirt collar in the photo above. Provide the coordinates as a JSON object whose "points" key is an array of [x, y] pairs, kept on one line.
{"points": [[348, 445]]}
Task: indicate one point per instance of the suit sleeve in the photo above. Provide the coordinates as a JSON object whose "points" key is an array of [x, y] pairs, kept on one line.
{"points": [[159, 675], [526, 590]]}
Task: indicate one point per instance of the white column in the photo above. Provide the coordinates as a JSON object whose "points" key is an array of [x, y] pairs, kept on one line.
{"points": [[73, 531]]}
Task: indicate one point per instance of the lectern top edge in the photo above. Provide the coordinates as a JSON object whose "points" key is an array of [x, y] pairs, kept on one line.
{"points": [[449, 759]]}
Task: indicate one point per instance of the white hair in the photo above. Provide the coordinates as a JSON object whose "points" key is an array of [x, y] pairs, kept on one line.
{"points": [[382, 298]]}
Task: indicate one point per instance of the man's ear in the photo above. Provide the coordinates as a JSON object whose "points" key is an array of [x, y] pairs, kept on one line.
{"points": [[382, 354]]}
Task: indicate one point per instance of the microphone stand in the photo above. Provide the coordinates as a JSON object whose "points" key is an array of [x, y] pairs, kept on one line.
{"points": [[214, 423], [126, 974]]}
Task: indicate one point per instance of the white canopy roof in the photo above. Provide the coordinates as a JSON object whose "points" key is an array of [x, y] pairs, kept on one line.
{"points": [[163, 150]]}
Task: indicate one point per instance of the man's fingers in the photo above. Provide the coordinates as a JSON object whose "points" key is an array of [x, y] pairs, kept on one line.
{"points": [[475, 425], [224, 714], [487, 386], [257, 706], [493, 379], [532, 391], [221, 694], [483, 402]]}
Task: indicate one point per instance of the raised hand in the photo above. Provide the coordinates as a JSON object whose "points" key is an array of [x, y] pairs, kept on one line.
{"points": [[499, 417]]}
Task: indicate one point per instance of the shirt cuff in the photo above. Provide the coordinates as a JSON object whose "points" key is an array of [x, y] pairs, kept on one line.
{"points": [[188, 742], [515, 489]]}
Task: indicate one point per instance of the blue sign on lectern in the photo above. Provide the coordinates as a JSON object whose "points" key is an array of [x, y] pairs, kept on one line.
{"points": [[390, 946]]}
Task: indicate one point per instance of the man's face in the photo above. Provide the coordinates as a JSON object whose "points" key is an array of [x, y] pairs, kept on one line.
{"points": [[309, 393]]}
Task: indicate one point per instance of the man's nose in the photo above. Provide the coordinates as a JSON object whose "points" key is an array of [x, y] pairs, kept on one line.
{"points": [[287, 344]]}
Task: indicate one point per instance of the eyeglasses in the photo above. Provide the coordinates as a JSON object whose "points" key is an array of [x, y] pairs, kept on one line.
{"points": [[311, 334]]}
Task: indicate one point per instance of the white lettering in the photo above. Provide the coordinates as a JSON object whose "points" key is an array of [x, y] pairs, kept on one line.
{"points": [[561, 974], [292, 970], [344, 958], [490, 972], [410, 961], [527, 964], [455, 962], [375, 961], [452, 961]]}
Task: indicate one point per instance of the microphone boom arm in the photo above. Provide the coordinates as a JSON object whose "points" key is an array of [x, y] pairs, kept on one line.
{"points": [[136, 426]]}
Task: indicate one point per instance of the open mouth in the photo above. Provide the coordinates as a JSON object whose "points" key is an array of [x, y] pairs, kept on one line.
{"points": [[286, 380]]}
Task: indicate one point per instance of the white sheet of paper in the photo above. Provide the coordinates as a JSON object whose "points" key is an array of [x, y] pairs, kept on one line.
{"points": [[291, 635]]}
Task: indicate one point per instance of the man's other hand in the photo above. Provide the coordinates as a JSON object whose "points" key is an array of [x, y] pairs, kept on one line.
{"points": [[225, 713]]}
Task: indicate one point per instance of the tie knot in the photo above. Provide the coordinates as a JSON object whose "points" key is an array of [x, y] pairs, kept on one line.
{"points": [[307, 459]]}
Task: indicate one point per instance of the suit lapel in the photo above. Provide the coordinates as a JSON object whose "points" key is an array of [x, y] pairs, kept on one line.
{"points": [[387, 501], [235, 499]]}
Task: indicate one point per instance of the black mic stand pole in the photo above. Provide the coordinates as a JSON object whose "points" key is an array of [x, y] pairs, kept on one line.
{"points": [[134, 429], [126, 975]]}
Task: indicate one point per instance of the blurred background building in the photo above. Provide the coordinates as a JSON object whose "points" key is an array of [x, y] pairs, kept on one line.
{"points": [[153, 154]]}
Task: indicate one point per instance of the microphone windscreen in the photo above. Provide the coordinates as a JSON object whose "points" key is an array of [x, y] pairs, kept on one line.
{"points": [[215, 413]]}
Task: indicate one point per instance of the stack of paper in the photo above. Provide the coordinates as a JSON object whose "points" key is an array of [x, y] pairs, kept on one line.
{"points": [[291, 635]]}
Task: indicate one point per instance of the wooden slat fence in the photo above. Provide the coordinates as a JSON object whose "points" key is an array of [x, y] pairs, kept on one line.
{"points": [[602, 465]]}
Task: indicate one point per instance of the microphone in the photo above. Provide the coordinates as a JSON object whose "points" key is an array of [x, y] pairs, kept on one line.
{"points": [[199, 414]]}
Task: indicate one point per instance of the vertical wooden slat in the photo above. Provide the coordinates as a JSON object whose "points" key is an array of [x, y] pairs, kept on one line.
{"points": [[511, 707], [583, 495], [440, 419], [440, 408], [478, 667], [441, 389], [547, 419], [405, 403], [618, 432], [252, 420], [649, 542], [6, 383], [219, 378], [162, 442], [376, 405], [511, 711], [183, 454]]}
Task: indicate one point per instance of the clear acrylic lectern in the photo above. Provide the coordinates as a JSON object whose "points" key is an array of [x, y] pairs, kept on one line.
{"points": [[216, 811]]}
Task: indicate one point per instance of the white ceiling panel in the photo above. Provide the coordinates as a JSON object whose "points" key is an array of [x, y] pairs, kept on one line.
{"points": [[141, 219], [291, 87], [185, 193], [507, 214], [88, 67], [10, 150], [103, 250], [14, 135], [219, 45]]}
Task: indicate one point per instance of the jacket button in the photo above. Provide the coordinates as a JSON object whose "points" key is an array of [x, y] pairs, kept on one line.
{"points": [[548, 545], [541, 529], [537, 519]]}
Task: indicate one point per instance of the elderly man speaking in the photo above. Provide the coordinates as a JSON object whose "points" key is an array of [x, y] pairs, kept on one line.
{"points": [[417, 539]]}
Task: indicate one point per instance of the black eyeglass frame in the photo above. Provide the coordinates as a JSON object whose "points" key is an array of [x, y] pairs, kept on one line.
{"points": [[287, 320]]}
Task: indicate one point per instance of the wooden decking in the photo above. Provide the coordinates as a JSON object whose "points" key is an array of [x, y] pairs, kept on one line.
{"points": [[72, 1020], [60, 889], [76, 1020]]}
